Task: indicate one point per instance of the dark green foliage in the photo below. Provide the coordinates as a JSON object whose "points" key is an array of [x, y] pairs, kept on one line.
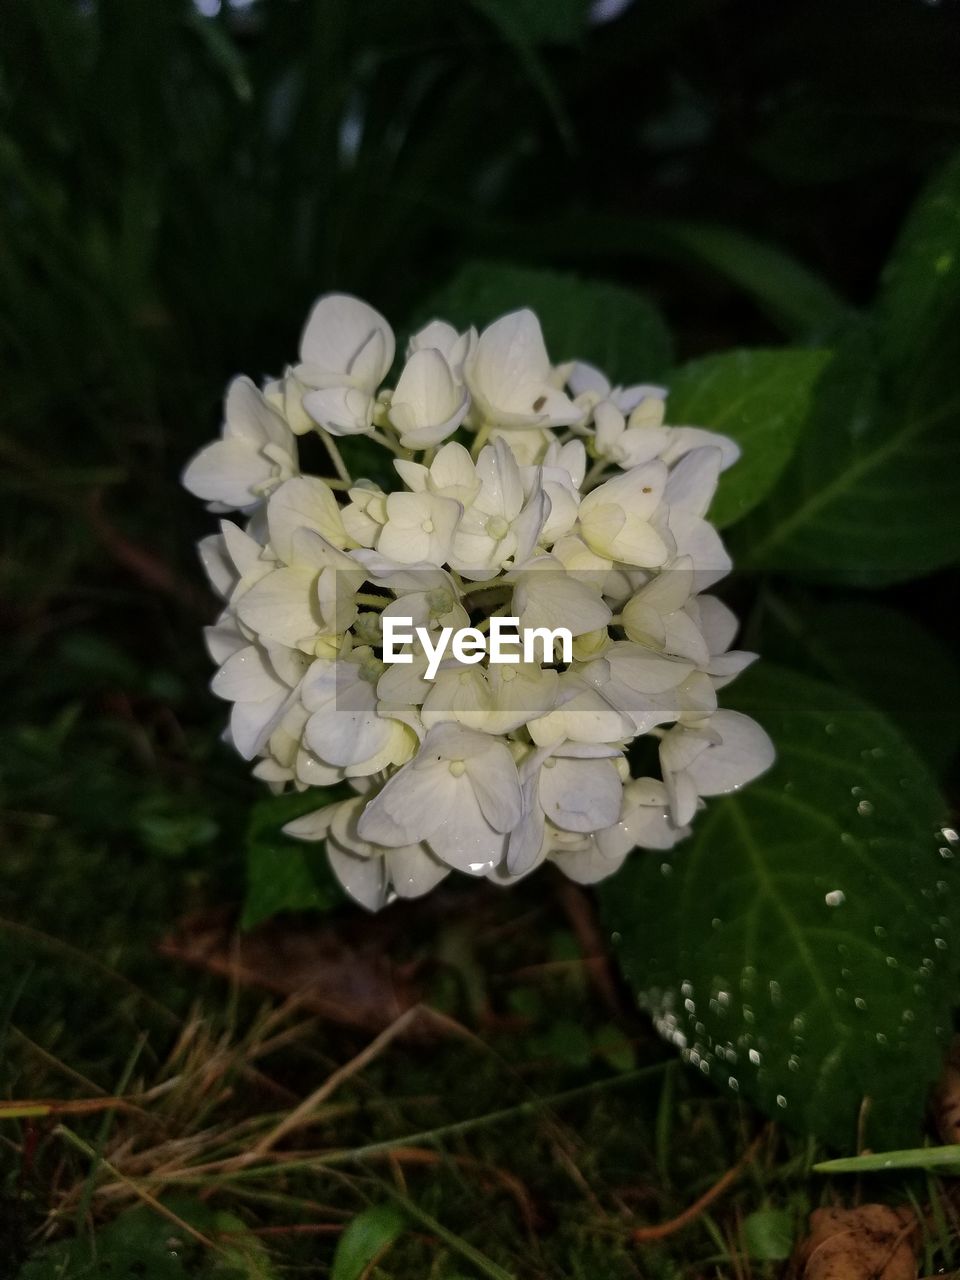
{"points": [[869, 497], [761, 399], [366, 1239], [144, 1245], [801, 944], [285, 874], [604, 324]]}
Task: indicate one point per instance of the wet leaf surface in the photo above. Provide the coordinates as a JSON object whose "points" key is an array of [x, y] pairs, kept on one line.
{"points": [[798, 948]]}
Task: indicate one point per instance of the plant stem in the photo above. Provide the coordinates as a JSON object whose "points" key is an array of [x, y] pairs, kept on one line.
{"points": [[382, 438], [338, 464], [595, 472]]}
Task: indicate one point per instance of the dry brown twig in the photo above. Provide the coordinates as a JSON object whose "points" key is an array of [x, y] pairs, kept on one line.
{"points": [[660, 1230], [303, 1113]]}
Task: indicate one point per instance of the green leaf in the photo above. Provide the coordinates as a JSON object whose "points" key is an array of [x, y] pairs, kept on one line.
{"points": [[869, 496], [857, 643], [285, 874], [148, 1245], [486, 1266], [918, 308], [796, 298], [798, 948], [243, 1255], [565, 1041], [140, 1242], [768, 1235], [612, 327], [368, 1237], [169, 828], [761, 399], [614, 1047], [943, 1159]]}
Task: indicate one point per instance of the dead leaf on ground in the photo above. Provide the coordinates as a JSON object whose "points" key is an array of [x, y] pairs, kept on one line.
{"points": [[344, 974], [870, 1242]]}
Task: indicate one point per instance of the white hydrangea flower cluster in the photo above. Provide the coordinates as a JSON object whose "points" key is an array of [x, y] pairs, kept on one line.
{"points": [[525, 489]]}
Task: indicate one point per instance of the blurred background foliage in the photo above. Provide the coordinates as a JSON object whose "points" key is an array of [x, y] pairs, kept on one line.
{"points": [[178, 181]]}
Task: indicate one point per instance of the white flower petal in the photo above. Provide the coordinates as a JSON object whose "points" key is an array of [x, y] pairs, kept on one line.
{"points": [[508, 375], [312, 826], [338, 328], [585, 377], [303, 503], [581, 795], [638, 491], [369, 365], [588, 864], [693, 481], [364, 879], [465, 840], [437, 334], [247, 677], [217, 564], [682, 795], [283, 607], [247, 415], [427, 404], [410, 807], [585, 717], [224, 639], [414, 871], [683, 439], [743, 754], [343, 411], [547, 596], [452, 474], [494, 777], [230, 472], [644, 822], [420, 528], [244, 550], [614, 518], [699, 540], [718, 623], [644, 671], [526, 845], [251, 723]]}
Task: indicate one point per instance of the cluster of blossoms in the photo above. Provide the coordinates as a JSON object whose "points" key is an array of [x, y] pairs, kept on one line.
{"points": [[524, 489]]}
